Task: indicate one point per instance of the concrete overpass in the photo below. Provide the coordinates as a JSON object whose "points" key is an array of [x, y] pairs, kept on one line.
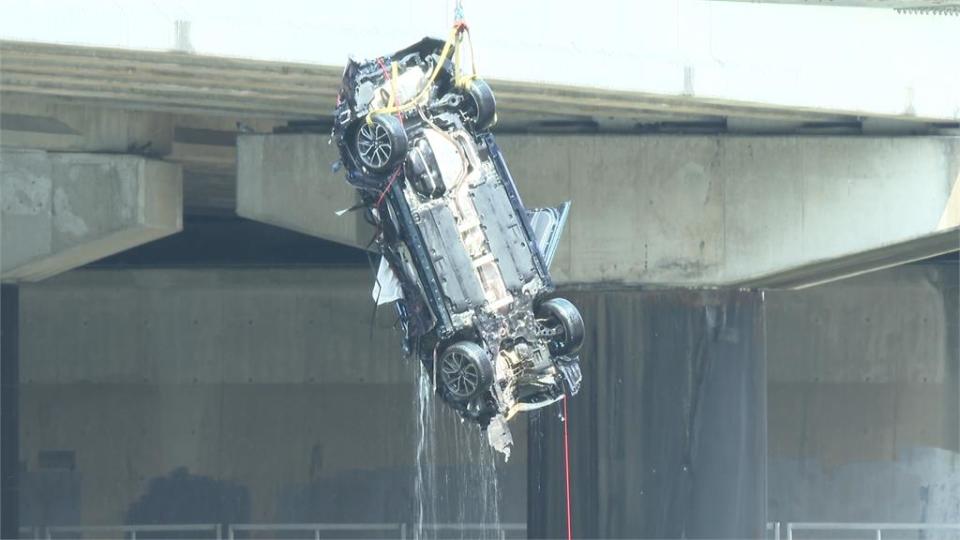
{"points": [[704, 144], [702, 159]]}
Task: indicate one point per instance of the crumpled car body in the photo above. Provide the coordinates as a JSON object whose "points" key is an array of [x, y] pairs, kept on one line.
{"points": [[466, 264]]}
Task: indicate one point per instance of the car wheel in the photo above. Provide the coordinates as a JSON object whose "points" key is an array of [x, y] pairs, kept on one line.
{"points": [[484, 111], [381, 144], [465, 371], [563, 320]]}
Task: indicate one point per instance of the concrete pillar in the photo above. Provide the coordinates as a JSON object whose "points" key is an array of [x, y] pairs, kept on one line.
{"points": [[667, 437], [64, 210], [9, 411], [863, 392], [688, 211]]}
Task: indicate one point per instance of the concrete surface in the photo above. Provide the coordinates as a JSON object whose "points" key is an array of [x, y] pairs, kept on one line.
{"points": [[951, 214], [203, 145], [687, 53], [149, 81], [671, 210], [63, 210], [864, 399], [269, 380], [856, 263], [668, 433], [29, 123], [287, 180], [272, 381]]}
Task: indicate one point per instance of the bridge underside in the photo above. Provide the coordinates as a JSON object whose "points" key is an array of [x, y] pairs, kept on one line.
{"points": [[249, 359], [667, 190]]}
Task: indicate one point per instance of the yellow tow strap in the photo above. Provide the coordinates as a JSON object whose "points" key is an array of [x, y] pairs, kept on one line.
{"points": [[452, 45]]}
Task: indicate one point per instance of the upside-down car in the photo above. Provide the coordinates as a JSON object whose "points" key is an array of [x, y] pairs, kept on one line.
{"points": [[466, 263]]}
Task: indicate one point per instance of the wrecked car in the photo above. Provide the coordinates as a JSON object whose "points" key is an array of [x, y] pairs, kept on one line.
{"points": [[466, 264]]}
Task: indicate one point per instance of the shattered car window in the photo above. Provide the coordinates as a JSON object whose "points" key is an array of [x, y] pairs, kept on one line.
{"points": [[466, 264]]}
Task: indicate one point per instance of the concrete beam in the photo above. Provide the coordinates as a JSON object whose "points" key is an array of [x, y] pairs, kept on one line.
{"points": [[615, 58], [29, 122], [209, 85], [64, 210], [861, 262], [722, 211], [287, 181], [691, 211]]}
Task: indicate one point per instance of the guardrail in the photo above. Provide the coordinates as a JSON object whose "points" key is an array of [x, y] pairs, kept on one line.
{"points": [[876, 528], [317, 528], [215, 531], [403, 530], [130, 531], [503, 528]]}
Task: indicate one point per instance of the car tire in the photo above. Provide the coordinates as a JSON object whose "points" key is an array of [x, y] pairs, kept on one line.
{"points": [[465, 372], [484, 111], [381, 144], [560, 313]]}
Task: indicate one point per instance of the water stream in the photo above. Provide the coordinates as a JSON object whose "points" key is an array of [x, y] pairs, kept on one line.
{"points": [[455, 486]]}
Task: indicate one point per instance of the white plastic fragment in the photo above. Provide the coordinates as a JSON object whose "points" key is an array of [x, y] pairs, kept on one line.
{"points": [[387, 287], [498, 434]]}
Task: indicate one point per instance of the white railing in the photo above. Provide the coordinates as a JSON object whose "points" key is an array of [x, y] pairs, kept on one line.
{"points": [[502, 528], [208, 530], [314, 530], [876, 529], [402, 530], [383, 530]]}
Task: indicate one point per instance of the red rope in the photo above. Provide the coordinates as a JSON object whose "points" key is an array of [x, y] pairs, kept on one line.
{"points": [[386, 77], [389, 185], [566, 460]]}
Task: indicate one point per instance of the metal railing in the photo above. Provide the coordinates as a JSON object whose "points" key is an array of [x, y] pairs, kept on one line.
{"points": [[876, 529], [317, 529], [402, 530], [503, 528], [130, 531], [314, 530]]}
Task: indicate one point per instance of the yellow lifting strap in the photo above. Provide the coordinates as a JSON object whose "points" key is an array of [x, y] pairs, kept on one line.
{"points": [[394, 73], [451, 46]]}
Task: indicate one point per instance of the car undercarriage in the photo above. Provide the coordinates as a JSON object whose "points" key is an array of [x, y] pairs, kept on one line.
{"points": [[466, 264]]}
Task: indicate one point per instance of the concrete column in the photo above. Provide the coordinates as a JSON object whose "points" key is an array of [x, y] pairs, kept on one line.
{"points": [[64, 210], [9, 411], [667, 437]]}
